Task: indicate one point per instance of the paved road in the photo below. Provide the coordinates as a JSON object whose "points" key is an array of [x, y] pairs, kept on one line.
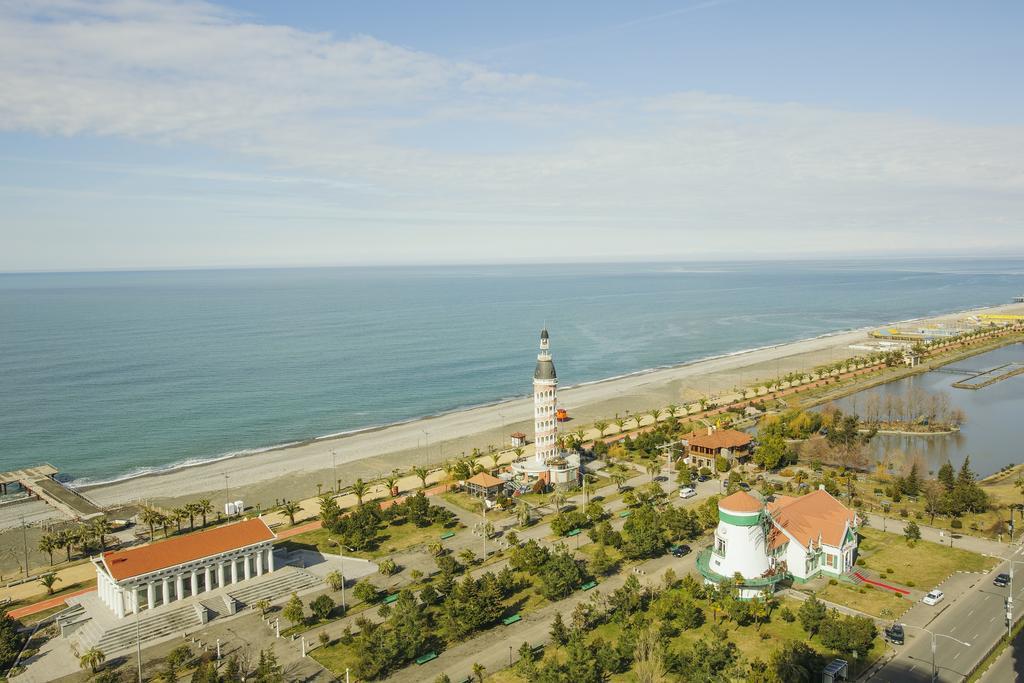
{"points": [[975, 617], [1009, 666]]}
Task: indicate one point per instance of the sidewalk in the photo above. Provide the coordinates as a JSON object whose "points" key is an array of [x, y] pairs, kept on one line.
{"points": [[895, 525]]}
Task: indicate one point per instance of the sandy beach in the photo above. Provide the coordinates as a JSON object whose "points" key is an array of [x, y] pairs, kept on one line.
{"points": [[294, 472]]}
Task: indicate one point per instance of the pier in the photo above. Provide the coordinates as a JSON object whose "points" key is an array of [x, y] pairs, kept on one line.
{"points": [[39, 481], [989, 377]]}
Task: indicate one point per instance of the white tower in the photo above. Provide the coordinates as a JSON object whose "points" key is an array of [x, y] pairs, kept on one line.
{"points": [[740, 543], [545, 385]]}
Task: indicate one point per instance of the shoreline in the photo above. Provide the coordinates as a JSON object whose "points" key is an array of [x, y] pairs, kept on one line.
{"points": [[374, 450]]}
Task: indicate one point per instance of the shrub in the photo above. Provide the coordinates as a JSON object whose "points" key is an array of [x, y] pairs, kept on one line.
{"points": [[889, 570], [918, 515], [787, 615], [860, 561], [883, 576], [903, 512], [909, 584], [956, 524], [857, 502], [832, 582]]}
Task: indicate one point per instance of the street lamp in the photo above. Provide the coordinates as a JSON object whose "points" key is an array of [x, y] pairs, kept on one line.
{"points": [[934, 635], [426, 446], [334, 464], [341, 553], [227, 496], [1009, 598]]}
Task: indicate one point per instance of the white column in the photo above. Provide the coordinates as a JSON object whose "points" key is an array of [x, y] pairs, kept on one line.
{"points": [[270, 559], [195, 582], [234, 570], [247, 566], [207, 578], [258, 556], [119, 604], [166, 595], [179, 586], [151, 595], [220, 575]]}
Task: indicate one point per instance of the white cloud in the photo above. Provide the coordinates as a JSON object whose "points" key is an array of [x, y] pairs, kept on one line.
{"points": [[340, 122]]}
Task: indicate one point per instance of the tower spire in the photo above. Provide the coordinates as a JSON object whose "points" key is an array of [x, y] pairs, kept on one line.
{"points": [[545, 385]]}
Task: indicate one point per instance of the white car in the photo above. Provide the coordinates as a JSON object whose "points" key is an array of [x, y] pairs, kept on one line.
{"points": [[687, 492], [933, 597]]}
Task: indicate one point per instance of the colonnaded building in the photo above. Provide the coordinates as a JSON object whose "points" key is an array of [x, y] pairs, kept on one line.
{"points": [[129, 581], [767, 541]]}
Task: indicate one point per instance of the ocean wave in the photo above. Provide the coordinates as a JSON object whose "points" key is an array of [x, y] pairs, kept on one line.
{"points": [[85, 482]]}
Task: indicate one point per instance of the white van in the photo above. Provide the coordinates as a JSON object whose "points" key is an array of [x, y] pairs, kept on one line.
{"points": [[687, 492]]}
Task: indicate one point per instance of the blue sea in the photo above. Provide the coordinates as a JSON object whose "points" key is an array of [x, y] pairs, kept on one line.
{"points": [[111, 374]]}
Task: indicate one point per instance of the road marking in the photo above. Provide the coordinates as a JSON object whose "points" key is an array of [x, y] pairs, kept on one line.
{"points": [[956, 655], [970, 613], [992, 619]]}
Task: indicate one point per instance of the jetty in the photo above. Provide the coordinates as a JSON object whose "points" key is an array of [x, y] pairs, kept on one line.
{"points": [[989, 377], [40, 481]]}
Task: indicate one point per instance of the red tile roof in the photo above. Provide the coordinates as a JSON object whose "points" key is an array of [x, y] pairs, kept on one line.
{"points": [[741, 501], [485, 480], [812, 517], [124, 564], [719, 438]]}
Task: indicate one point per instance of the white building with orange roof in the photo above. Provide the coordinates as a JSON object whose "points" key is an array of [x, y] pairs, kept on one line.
{"points": [[132, 580], [760, 543]]}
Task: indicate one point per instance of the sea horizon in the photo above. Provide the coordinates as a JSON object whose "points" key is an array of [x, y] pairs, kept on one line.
{"points": [[130, 404]]}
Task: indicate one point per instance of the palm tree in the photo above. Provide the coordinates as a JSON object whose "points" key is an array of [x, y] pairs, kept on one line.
{"points": [[421, 473], [66, 539], [177, 515], [588, 491], [391, 481], [557, 498], [48, 580], [672, 409], [262, 605], [91, 659], [600, 426], [151, 517], [619, 478], [519, 452], [620, 423], [637, 419], [204, 507], [81, 536], [291, 508], [100, 529], [335, 580], [523, 513], [652, 469], [479, 671], [48, 542], [192, 509], [359, 489], [580, 434], [655, 413], [165, 523]]}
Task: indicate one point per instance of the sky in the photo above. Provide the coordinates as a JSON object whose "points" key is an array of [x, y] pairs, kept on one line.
{"points": [[142, 134]]}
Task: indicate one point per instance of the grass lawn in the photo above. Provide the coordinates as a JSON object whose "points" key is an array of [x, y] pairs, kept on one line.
{"points": [[923, 565], [875, 601], [336, 657], [391, 539]]}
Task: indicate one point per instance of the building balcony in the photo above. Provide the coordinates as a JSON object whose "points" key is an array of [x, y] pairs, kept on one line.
{"points": [[704, 567]]}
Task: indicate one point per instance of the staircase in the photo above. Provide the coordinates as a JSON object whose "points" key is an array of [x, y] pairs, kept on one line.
{"points": [[149, 627], [280, 583]]}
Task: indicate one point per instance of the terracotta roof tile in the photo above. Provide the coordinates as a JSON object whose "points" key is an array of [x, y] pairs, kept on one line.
{"points": [[720, 438], [124, 564], [485, 480], [741, 501], [813, 516]]}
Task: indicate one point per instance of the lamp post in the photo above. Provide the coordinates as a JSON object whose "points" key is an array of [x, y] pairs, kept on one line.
{"points": [[138, 641], [934, 635], [341, 554], [1009, 598], [334, 466], [426, 446], [227, 495]]}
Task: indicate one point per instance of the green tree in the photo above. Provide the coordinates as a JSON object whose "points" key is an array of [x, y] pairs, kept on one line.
{"points": [[387, 567], [335, 580], [91, 659], [946, 476], [359, 489], [176, 660], [421, 473], [268, 670], [812, 614], [912, 532], [559, 632], [479, 671], [365, 591], [291, 508], [204, 508], [601, 564], [293, 611], [770, 453], [848, 635], [559, 576], [150, 517], [795, 662], [48, 542], [322, 606], [643, 534], [48, 581]]}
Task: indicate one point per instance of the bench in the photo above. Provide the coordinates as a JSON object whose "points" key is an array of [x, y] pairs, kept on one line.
{"points": [[390, 599], [423, 659], [574, 532], [625, 513], [588, 585], [447, 534], [508, 621]]}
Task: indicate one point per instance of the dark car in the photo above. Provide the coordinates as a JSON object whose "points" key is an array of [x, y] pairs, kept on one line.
{"points": [[1002, 580], [894, 634], [744, 486], [680, 550], [703, 477]]}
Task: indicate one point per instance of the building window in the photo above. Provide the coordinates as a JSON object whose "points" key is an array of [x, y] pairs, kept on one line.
{"points": [[720, 546]]}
